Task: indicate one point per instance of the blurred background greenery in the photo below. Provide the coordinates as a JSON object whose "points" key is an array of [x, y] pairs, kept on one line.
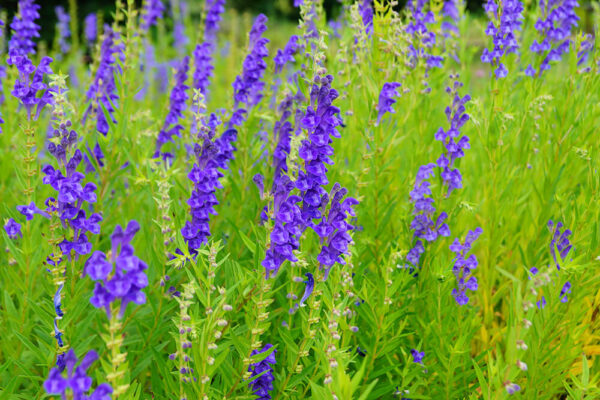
{"points": [[278, 9], [281, 9]]}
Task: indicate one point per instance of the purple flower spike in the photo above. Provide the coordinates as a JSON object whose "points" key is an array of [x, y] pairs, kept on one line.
{"points": [[91, 28], [177, 105], [63, 29], [450, 12], [248, 86], [205, 176], [365, 8], [502, 29], [77, 379], [423, 40], [263, 385], [27, 86], [287, 54], [13, 229], [424, 224], [25, 29], [333, 228], [152, 11], [554, 29], [214, 15], [129, 277], [464, 266], [386, 99], [204, 68], [560, 241], [102, 93]]}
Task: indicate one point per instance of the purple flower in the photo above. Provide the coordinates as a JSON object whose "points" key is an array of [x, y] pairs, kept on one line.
{"points": [[541, 303], [464, 266], [333, 228], [152, 11], [282, 133], [336, 27], [423, 38], [13, 229], [566, 289], [586, 46], [310, 286], [179, 37], [177, 104], [511, 388], [450, 12], [321, 120], [25, 29], [62, 27], [248, 86], [425, 225], [502, 28], [560, 241], [214, 12], [77, 379], [30, 210], [554, 28], [129, 276], [288, 225], [204, 68], [205, 176], [57, 300], [262, 385], [71, 194], [386, 99], [91, 28], [530, 71], [27, 86], [287, 54], [102, 92], [417, 356], [365, 8], [291, 213]]}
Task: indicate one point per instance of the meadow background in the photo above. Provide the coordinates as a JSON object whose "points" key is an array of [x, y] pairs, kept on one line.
{"points": [[533, 158]]}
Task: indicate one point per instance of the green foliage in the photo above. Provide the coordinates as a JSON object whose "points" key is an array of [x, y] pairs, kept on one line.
{"points": [[533, 158]]}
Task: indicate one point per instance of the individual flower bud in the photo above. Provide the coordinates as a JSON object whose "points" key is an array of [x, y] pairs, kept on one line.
{"points": [[227, 307], [327, 379], [511, 388], [354, 328], [222, 323], [521, 345], [218, 334], [521, 365], [526, 323]]}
